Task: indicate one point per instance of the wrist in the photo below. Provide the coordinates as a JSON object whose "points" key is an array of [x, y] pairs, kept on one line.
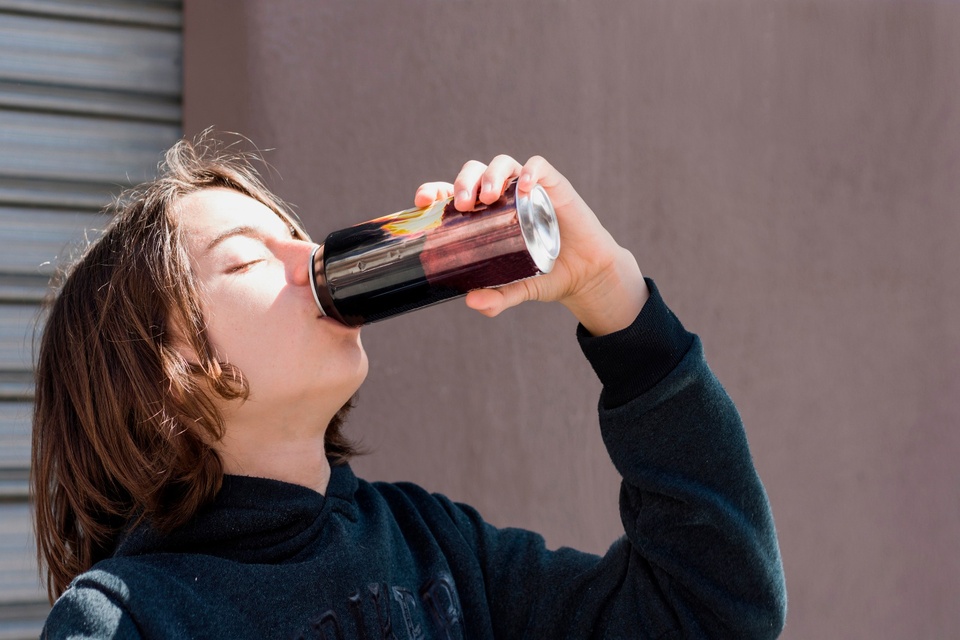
{"points": [[614, 299]]}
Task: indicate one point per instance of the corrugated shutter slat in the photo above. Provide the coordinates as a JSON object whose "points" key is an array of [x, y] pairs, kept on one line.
{"points": [[69, 53], [89, 97]]}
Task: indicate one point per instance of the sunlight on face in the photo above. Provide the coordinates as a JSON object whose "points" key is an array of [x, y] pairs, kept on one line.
{"points": [[261, 316]]}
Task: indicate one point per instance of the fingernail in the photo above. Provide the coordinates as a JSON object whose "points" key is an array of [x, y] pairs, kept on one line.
{"points": [[463, 195], [487, 187]]}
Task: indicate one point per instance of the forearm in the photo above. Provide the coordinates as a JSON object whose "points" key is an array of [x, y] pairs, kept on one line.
{"points": [[692, 504]]}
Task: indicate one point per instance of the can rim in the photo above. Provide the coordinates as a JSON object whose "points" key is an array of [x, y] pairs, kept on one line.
{"points": [[312, 271], [539, 227]]}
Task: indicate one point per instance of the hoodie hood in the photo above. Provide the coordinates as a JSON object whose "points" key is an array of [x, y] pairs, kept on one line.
{"points": [[252, 520]]}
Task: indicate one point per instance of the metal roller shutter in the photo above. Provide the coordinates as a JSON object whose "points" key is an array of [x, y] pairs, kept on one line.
{"points": [[89, 98]]}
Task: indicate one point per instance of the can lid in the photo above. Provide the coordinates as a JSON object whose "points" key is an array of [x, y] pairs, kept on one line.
{"points": [[538, 224]]}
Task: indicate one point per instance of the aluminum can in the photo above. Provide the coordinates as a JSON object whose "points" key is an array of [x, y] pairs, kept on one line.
{"points": [[419, 257]]}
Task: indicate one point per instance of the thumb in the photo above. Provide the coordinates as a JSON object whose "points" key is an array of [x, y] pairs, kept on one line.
{"points": [[491, 302]]}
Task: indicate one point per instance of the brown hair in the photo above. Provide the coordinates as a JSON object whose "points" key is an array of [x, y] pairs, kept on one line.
{"points": [[122, 421]]}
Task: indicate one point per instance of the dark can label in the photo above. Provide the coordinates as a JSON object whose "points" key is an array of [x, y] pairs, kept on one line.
{"points": [[419, 257]]}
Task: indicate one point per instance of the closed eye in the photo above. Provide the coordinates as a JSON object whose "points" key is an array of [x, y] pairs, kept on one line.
{"points": [[244, 266]]}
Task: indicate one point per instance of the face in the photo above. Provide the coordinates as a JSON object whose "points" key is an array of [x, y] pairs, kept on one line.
{"points": [[260, 312]]}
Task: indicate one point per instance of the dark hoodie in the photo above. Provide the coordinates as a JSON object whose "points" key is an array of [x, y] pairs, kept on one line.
{"points": [[269, 559]]}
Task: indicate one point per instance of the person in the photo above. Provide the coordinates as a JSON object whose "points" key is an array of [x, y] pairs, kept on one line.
{"points": [[191, 466]]}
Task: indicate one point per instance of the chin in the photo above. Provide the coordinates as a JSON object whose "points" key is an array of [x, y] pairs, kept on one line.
{"points": [[363, 369], [353, 371]]}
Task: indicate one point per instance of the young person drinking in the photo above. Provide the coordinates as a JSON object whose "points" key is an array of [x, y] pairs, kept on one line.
{"points": [[191, 468]]}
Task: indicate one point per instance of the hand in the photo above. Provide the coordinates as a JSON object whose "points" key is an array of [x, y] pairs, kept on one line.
{"points": [[594, 277]]}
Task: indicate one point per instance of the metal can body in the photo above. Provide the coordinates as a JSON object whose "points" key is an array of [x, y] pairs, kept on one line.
{"points": [[419, 257]]}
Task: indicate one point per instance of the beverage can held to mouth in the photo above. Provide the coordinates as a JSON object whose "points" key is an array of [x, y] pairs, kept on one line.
{"points": [[419, 257]]}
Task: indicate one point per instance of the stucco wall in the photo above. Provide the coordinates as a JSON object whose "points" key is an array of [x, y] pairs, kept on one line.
{"points": [[787, 172]]}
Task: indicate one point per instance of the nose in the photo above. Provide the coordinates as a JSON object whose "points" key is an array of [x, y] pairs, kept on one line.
{"points": [[299, 267]]}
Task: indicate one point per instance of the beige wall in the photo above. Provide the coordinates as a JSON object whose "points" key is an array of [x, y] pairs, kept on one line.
{"points": [[787, 172]]}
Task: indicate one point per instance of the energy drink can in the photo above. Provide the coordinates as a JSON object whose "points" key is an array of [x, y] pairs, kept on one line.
{"points": [[419, 257]]}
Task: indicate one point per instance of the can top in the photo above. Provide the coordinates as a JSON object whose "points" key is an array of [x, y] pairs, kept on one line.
{"points": [[538, 224]]}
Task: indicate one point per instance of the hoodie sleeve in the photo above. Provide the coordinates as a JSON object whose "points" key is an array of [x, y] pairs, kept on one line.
{"points": [[700, 557], [89, 612]]}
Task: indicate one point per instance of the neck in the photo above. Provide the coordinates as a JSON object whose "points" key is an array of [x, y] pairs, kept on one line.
{"points": [[276, 448]]}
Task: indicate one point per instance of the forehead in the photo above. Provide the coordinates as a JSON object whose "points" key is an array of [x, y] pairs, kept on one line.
{"points": [[209, 211]]}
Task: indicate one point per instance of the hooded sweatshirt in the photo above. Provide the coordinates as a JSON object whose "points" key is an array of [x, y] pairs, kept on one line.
{"points": [[267, 559]]}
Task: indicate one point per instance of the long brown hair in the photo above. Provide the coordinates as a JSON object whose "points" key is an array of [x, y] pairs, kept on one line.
{"points": [[122, 422]]}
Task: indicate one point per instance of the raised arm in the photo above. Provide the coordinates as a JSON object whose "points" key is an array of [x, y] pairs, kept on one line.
{"points": [[700, 557]]}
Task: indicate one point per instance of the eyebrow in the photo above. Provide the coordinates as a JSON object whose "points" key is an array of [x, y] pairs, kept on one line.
{"points": [[243, 230]]}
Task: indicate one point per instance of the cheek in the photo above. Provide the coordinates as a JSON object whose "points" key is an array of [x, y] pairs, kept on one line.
{"points": [[241, 322]]}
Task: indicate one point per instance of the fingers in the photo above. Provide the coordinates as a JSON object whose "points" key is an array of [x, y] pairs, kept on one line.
{"points": [[482, 183], [501, 170], [538, 171], [535, 170], [431, 192]]}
